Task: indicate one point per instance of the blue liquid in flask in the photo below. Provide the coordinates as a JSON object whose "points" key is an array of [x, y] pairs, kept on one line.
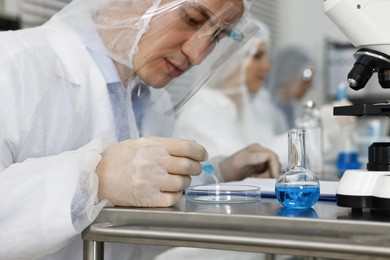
{"points": [[297, 196]]}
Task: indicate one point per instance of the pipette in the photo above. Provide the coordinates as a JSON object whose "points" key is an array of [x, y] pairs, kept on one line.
{"points": [[209, 169]]}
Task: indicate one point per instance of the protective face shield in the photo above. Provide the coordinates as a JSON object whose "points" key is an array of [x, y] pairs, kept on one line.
{"points": [[231, 79], [204, 50], [159, 41]]}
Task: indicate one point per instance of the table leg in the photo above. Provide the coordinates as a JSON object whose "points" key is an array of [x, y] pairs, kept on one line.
{"points": [[270, 257], [93, 250]]}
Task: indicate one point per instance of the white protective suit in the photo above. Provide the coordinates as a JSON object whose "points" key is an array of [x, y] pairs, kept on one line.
{"points": [[224, 126], [270, 117], [56, 118]]}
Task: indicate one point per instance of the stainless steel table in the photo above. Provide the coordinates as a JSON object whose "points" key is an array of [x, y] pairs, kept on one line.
{"points": [[326, 230]]}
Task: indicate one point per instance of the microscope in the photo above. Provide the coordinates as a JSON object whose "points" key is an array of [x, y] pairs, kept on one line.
{"points": [[366, 24]]}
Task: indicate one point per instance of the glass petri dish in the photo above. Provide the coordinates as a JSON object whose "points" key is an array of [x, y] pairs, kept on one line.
{"points": [[223, 193]]}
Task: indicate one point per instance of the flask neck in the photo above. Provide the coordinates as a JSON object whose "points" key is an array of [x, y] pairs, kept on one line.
{"points": [[296, 148]]}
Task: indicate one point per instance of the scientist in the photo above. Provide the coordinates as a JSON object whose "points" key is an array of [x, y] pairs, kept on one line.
{"points": [[84, 113], [289, 81], [224, 107]]}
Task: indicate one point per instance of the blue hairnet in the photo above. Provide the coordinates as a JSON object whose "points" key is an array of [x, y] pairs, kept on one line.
{"points": [[288, 65]]}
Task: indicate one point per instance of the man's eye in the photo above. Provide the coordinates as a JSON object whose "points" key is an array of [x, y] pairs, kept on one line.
{"points": [[191, 20], [218, 34], [216, 38], [192, 17]]}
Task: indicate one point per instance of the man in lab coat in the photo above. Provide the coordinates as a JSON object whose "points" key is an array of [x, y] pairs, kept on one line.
{"points": [[85, 111]]}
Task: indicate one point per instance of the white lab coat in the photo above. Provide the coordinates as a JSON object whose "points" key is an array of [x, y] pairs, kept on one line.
{"points": [[266, 112], [219, 127], [48, 184]]}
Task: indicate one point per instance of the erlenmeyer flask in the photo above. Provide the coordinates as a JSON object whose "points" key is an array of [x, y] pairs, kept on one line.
{"points": [[297, 187]]}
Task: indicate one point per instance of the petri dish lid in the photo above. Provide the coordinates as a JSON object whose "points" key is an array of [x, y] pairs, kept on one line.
{"points": [[223, 193]]}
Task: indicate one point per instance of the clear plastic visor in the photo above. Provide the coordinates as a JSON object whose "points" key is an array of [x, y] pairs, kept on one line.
{"points": [[185, 44], [205, 19]]}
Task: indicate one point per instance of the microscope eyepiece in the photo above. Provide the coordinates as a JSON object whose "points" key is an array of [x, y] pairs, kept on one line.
{"points": [[368, 62], [360, 74]]}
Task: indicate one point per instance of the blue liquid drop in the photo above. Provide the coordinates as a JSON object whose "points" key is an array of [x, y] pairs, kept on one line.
{"points": [[297, 196], [208, 168]]}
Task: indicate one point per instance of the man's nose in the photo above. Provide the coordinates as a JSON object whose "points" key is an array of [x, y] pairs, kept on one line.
{"points": [[197, 48]]}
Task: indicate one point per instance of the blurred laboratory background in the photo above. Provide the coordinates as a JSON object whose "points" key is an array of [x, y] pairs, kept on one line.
{"points": [[301, 22]]}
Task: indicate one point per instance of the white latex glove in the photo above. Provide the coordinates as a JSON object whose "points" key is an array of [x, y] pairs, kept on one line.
{"points": [[252, 161], [148, 171]]}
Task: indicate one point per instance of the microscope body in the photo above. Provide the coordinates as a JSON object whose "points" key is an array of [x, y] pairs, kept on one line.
{"points": [[365, 23], [369, 188]]}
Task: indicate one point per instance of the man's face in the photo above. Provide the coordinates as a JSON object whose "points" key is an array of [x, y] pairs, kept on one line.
{"points": [[182, 37]]}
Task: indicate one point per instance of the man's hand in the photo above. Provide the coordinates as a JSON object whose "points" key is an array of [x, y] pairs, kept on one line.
{"points": [[149, 171]]}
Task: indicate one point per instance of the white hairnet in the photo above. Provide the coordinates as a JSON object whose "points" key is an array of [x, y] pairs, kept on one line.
{"points": [[85, 16], [288, 65]]}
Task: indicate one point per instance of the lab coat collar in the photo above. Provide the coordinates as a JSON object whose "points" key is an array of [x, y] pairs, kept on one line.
{"points": [[106, 66]]}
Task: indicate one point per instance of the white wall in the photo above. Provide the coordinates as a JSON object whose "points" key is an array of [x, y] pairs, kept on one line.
{"points": [[304, 22], [11, 6]]}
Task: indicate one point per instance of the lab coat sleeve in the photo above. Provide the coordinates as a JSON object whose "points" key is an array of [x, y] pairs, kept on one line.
{"points": [[45, 202]]}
